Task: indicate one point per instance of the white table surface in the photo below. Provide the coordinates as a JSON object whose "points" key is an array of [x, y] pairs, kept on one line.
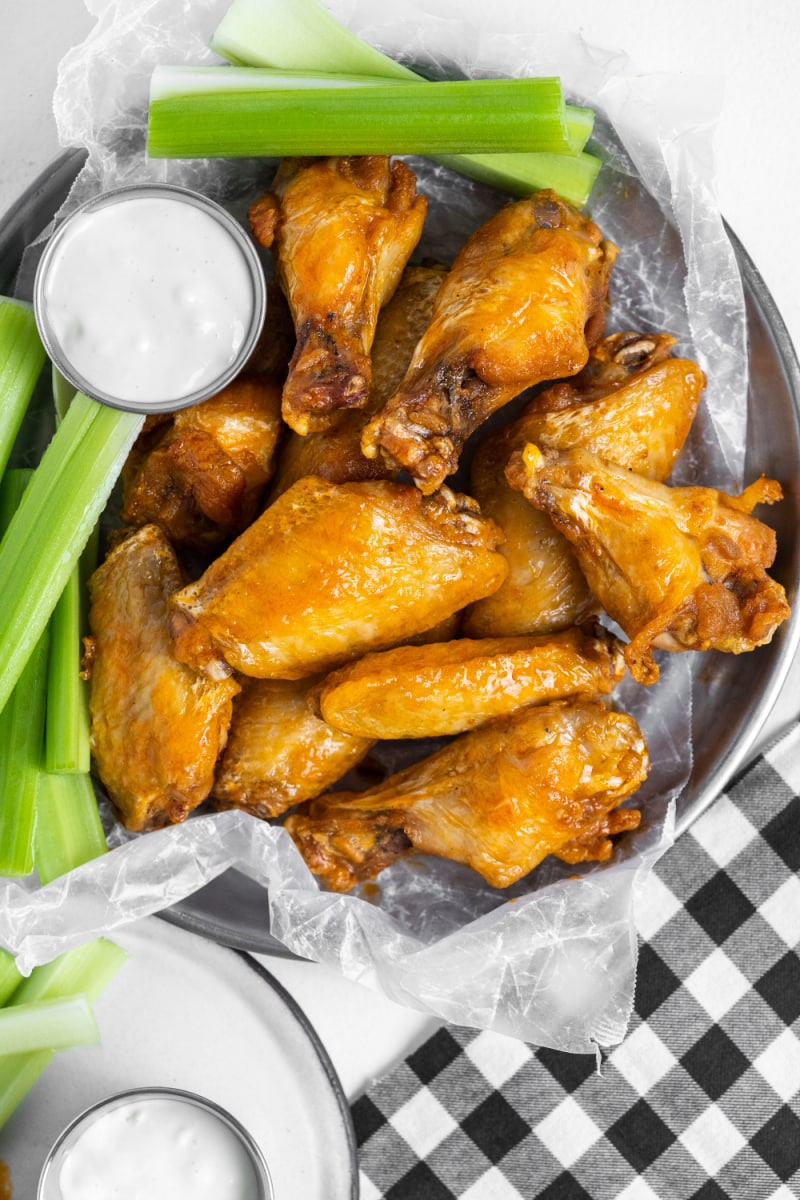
{"points": [[752, 46]]}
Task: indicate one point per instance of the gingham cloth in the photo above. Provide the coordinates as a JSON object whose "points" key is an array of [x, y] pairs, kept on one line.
{"points": [[701, 1101]]}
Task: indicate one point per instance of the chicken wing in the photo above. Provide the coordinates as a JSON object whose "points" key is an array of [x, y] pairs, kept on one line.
{"points": [[451, 687], [343, 230], [279, 752], [499, 799], [157, 726], [203, 477], [676, 568], [632, 404], [522, 304], [336, 454], [330, 571]]}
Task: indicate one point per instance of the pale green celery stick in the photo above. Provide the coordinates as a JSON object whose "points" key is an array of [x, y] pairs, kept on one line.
{"points": [[22, 357], [69, 831], [302, 35], [572, 176], [63, 391], [9, 976], [67, 727], [58, 512], [47, 1025], [472, 115], [21, 728], [86, 970]]}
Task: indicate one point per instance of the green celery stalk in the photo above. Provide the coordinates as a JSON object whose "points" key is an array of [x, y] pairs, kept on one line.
{"points": [[67, 727], [22, 357], [47, 1025], [303, 35], [58, 512], [88, 970], [21, 728], [69, 831], [476, 115], [63, 391], [571, 175], [10, 977]]}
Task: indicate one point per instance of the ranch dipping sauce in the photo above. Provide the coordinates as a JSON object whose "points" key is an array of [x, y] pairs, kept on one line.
{"points": [[155, 1145], [149, 298]]}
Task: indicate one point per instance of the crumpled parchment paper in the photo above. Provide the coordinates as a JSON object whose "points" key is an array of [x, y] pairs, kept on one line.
{"points": [[551, 960]]}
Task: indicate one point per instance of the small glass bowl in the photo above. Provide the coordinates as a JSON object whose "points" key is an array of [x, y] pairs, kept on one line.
{"points": [[239, 239], [49, 1186]]}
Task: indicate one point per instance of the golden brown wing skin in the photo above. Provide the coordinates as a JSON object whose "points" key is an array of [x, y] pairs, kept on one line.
{"points": [[157, 726], [336, 454], [451, 687], [203, 475], [521, 304], [279, 752], [330, 571], [499, 799], [676, 568], [545, 589], [632, 404], [343, 229]]}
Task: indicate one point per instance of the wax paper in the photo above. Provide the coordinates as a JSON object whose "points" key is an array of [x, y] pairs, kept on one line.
{"points": [[551, 960]]}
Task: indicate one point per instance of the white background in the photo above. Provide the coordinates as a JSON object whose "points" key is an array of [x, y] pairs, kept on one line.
{"points": [[751, 46]]}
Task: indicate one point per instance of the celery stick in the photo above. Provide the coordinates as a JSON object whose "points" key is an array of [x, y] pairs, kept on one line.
{"points": [[87, 970], [22, 357], [302, 35], [571, 175], [472, 115], [10, 976], [69, 831], [60, 508], [67, 727], [47, 1025], [63, 390]]}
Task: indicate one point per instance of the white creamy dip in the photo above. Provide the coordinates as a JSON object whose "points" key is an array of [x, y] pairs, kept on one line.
{"points": [[149, 298], [157, 1148]]}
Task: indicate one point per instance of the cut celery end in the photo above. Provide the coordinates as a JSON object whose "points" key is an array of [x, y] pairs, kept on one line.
{"points": [[21, 753], [47, 1025], [297, 34], [55, 518], [22, 357], [572, 176], [66, 745], [88, 970], [580, 124], [63, 390], [69, 831], [462, 116]]}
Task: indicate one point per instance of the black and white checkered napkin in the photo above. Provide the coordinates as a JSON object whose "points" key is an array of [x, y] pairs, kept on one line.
{"points": [[702, 1099]]}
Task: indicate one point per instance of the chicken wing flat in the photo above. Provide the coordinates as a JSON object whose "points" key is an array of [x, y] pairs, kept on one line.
{"points": [[677, 568], [451, 687], [546, 780], [201, 476], [330, 571], [279, 752], [157, 726], [632, 404], [545, 589], [343, 229], [336, 454], [522, 304]]}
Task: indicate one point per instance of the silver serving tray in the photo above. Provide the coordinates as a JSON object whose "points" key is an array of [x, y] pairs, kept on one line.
{"points": [[732, 696]]}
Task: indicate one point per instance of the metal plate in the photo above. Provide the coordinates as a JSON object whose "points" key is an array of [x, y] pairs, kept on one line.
{"points": [[732, 696]]}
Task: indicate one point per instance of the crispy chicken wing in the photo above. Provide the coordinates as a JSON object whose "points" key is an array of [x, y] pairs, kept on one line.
{"points": [[330, 571], [546, 780], [522, 303], [343, 230], [451, 687], [157, 726], [676, 568], [279, 752], [336, 454], [632, 404], [201, 477]]}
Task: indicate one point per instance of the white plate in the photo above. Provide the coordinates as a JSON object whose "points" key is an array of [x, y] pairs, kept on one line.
{"points": [[187, 1013]]}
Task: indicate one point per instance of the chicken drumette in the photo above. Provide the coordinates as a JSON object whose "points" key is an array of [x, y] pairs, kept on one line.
{"points": [[545, 781], [522, 303], [343, 229]]}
